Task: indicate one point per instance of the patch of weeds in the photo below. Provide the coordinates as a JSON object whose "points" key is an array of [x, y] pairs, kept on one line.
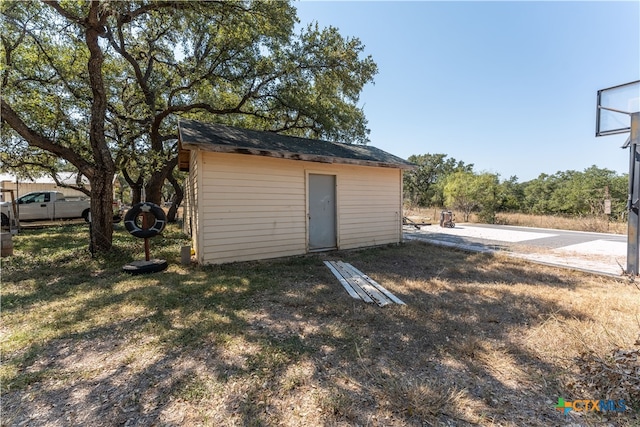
{"points": [[192, 334], [336, 332], [267, 360], [25, 379], [9, 376], [338, 404], [277, 352], [293, 345], [14, 374], [192, 388], [419, 398], [119, 255], [159, 326], [470, 347], [293, 381]]}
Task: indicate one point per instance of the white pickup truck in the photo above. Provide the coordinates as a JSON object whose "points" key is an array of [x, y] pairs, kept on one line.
{"points": [[45, 205]]}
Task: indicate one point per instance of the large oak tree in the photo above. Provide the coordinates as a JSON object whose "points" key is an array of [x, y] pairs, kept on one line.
{"points": [[102, 84]]}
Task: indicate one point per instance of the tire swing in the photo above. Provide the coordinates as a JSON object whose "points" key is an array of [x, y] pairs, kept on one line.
{"points": [[145, 220]]}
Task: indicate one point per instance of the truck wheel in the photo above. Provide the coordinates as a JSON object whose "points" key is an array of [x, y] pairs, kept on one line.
{"points": [[136, 212], [4, 220], [86, 215]]}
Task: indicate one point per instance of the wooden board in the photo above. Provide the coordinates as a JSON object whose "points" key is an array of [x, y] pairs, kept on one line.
{"points": [[342, 281], [361, 286], [379, 287], [377, 296], [348, 277]]}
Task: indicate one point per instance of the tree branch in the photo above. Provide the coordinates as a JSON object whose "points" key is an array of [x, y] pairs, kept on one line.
{"points": [[55, 5], [10, 117]]}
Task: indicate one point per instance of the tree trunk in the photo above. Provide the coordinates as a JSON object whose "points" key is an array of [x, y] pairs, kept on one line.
{"points": [[101, 212], [104, 171], [136, 194], [177, 198], [136, 186], [101, 170], [153, 189]]}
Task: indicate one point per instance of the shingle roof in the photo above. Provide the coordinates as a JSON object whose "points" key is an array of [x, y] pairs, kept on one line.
{"points": [[227, 139]]}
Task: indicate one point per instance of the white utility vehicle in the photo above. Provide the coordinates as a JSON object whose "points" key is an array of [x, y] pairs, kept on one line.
{"points": [[45, 205]]}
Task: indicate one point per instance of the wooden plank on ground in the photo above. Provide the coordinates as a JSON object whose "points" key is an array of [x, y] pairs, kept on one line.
{"points": [[349, 278], [342, 281], [374, 293], [379, 287]]}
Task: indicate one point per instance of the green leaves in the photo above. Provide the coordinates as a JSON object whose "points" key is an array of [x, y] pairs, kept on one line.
{"points": [[424, 184], [468, 191], [241, 65], [576, 193], [103, 83], [439, 181]]}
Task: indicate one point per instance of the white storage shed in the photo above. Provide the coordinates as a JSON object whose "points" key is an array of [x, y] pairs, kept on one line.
{"points": [[254, 195]]}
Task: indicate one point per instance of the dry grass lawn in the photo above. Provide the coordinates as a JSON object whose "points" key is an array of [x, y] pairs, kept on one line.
{"points": [[484, 340]]}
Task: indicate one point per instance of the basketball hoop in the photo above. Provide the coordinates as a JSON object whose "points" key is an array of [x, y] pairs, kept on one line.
{"points": [[618, 111], [614, 106]]}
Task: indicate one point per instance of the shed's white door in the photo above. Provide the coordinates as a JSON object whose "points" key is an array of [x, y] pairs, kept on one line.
{"points": [[322, 211]]}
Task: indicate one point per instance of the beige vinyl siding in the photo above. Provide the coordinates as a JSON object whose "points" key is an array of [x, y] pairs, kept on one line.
{"points": [[192, 223], [253, 207], [186, 206], [370, 211], [188, 201]]}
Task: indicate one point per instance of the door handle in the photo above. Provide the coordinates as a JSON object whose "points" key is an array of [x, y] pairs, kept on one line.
{"points": [[43, 206]]}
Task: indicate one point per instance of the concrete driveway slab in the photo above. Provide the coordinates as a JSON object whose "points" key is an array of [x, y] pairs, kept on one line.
{"points": [[592, 252]]}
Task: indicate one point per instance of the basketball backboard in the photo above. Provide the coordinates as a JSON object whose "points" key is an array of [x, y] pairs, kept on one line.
{"points": [[615, 106]]}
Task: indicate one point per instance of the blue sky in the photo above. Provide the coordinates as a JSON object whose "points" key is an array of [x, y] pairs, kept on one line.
{"points": [[508, 86]]}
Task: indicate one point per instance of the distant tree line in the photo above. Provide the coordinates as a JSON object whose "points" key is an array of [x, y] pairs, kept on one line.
{"points": [[447, 182]]}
